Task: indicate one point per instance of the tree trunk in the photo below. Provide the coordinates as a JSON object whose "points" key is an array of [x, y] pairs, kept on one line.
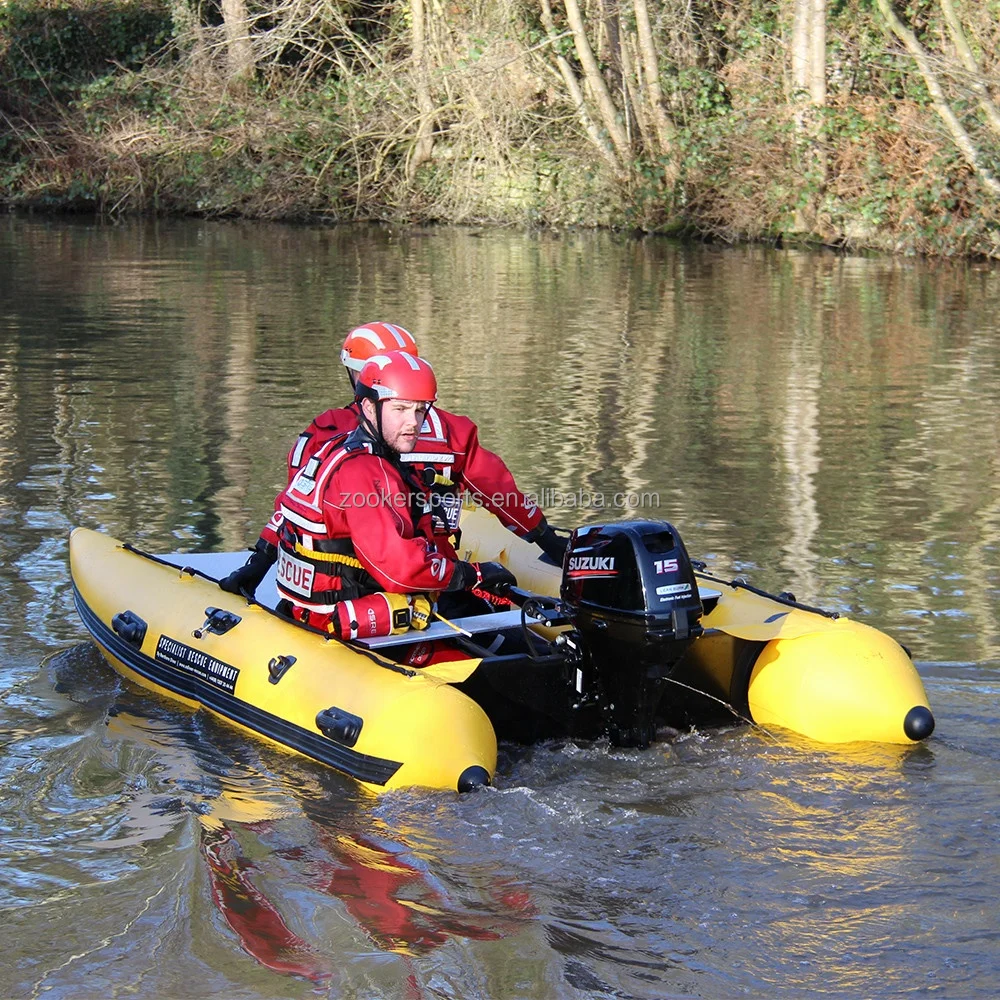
{"points": [[809, 51], [651, 75], [809, 91], [592, 74], [576, 93], [239, 49], [424, 146], [801, 49], [817, 53], [632, 94], [612, 34]]}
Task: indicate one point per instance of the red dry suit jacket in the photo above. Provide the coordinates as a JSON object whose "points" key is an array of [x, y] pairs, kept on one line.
{"points": [[349, 493], [448, 443], [330, 424]]}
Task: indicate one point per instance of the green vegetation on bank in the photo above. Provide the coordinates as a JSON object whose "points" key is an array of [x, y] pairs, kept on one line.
{"points": [[856, 123]]}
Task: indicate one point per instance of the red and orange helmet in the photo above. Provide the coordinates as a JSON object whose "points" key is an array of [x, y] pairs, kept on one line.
{"points": [[397, 375], [364, 342]]}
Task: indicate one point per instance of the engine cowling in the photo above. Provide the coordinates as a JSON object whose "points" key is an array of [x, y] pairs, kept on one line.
{"points": [[630, 590]]}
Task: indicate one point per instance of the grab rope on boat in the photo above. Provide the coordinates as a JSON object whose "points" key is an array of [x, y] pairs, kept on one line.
{"points": [[785, 597]]}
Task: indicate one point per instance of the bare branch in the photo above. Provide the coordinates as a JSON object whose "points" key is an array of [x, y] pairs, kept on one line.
{"points": [[957, 131], [970, 63]]}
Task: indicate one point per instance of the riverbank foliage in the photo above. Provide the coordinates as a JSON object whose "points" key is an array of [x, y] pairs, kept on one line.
{"points": [[853, 123]]}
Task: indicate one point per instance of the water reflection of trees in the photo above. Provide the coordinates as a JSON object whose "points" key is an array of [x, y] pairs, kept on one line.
{"points": [[824, 418]]}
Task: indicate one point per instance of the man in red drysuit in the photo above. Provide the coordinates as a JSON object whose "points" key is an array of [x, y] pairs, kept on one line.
{"points": [[351, 525], [445, 459]]}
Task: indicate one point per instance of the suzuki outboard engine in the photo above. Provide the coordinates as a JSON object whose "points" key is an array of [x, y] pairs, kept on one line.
{"points": [[630, 591]]}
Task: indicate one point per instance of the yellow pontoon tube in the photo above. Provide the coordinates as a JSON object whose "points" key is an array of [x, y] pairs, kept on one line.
{"points": [[175, 632]]}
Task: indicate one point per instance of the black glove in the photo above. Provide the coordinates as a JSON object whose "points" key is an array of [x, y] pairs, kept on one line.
{"points": [[490, 576], [494, 578], [553, 545], [246, 579]]}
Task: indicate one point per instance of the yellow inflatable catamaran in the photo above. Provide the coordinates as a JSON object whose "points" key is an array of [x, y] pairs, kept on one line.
{"points": [[625, 637]]}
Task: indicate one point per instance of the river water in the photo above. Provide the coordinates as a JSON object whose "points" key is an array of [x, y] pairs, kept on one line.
{"points": [[820, 423]]}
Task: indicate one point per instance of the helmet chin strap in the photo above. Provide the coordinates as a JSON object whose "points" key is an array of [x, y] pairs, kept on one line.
{"points": [[376, 429]]}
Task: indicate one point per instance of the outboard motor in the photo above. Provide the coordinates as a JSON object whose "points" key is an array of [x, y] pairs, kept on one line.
{"points": [[630, 591]]}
